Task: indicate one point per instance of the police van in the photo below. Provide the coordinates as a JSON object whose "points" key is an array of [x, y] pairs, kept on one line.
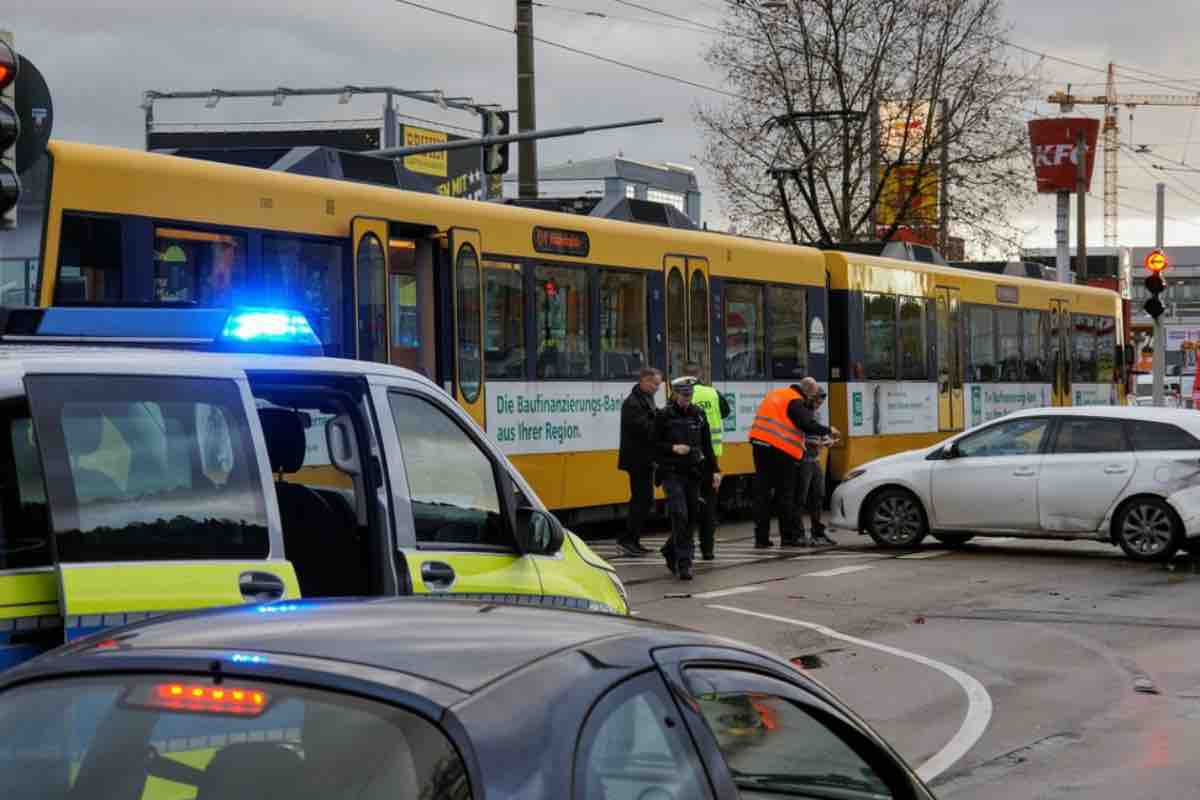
{"points": [[160, 459]]}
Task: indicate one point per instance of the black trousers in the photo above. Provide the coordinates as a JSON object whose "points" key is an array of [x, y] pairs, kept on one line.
{"points": [[774, 481], [708, 515], [810, 497], [641, 498], [683, 500]]}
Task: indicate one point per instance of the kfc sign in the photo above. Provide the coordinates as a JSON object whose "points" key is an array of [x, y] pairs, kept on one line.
{"points": [[1054, 151]]}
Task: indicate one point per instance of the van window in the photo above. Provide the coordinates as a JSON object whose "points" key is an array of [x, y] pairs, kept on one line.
{"points": [[24, 524], [141, 469]]}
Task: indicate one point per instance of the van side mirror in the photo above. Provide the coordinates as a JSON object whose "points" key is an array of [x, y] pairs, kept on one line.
{"points": [[539, 533]]}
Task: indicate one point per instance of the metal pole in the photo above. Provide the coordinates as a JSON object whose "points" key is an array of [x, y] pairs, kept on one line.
{"points": [[148, 107], [389, 122], [874, 122], [484, 178], [1160, 336], [944, 177], [527, 171], [1062, 237], [1081, 270]]}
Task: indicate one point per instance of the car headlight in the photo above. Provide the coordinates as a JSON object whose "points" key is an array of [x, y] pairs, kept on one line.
{"points": [[852, 474], [620, 587]]}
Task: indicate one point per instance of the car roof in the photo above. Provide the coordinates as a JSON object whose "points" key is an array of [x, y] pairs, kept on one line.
{"points": [[457, 643], [19, 358], [1177, 416]]}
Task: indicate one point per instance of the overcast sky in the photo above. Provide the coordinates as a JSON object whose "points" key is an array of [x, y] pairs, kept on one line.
{"points": [[99, 56]]}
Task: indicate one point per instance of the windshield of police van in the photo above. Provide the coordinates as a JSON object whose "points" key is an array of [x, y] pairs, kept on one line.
{"points": [[178, 737]]}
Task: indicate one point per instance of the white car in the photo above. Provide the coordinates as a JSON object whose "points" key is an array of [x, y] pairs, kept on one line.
{"points": [[1126, 475]]}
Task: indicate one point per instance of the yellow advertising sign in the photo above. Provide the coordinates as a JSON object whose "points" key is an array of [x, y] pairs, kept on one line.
{"points": [[899, 183], [426, 163]]}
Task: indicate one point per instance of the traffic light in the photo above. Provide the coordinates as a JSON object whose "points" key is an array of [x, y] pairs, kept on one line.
{"points": [[1155, 286], [1155, 263], [10, 131], [495, 157]]}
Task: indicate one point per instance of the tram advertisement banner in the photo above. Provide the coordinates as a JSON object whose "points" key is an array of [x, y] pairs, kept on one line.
{"points": [[882, 408], [987, 402], [573, 416]]}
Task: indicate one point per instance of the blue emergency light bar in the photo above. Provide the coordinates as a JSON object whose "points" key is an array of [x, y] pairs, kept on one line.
{"points": [[238, 330]]}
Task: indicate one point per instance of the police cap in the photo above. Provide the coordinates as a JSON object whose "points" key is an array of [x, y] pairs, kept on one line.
{"points": [[684, 386]]}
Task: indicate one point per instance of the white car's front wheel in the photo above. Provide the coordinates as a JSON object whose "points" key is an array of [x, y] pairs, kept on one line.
{"points": [[895, 519], [1147, 530]]}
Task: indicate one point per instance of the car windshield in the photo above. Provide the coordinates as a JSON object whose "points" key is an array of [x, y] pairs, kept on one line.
{"points": [[179, 737]]}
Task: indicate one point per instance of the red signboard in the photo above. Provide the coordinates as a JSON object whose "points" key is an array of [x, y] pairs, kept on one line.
{"points": [[1054, 156]]}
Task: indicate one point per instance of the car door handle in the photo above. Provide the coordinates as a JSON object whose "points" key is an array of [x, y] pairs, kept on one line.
{"points": [[1115, 470], [261, 586], [437, 575], [1025, 472]]}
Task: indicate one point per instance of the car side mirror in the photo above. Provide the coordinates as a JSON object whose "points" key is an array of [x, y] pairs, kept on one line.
{"points": [[950, 451], [539, 533]]}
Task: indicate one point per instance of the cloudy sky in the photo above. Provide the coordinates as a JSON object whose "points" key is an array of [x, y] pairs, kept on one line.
{"points": [[100, 55]]}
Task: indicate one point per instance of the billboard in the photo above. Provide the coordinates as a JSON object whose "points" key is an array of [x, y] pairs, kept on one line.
{"points": [[909, 196], [1053, 148], [902, 130]]}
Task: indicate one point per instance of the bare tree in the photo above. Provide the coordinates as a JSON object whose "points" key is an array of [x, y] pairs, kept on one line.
{"points": [[811, 75]]}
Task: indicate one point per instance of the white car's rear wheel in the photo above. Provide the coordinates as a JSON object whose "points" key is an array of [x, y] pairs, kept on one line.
{"points": [[1147, 530], [895, 519]]}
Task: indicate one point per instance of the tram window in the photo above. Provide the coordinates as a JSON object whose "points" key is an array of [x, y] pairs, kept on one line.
{"points": [[698, 318], [193, 266], [1106, 349], [1008, 331], [1036, 326], [89, 262], [981, 345], [622, 323], [880, 313], [789, 347], [1083, 349], [504, 323], [912, 339], [745, 332], [676, 322], [470, 355], [561, 315], [306, 275]]}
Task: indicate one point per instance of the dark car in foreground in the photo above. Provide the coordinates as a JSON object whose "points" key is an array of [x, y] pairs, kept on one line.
{"points": [[427, 699]]}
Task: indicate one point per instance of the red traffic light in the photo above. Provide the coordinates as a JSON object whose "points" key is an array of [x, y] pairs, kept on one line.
{"points": [[8, 65], [1156, 261]]}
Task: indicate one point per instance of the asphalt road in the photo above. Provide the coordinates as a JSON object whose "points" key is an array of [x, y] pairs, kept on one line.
{"points": [[1002, 669]]}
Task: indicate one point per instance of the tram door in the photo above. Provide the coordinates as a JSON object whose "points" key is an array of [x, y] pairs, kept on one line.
{"points": [[698, 336], [465, 250], [1060, 351], [950, 366], [370, 289], [677, 316]]}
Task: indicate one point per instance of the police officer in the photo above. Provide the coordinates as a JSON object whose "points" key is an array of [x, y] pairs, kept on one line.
{"points": [[715, 408], [685, 460]]}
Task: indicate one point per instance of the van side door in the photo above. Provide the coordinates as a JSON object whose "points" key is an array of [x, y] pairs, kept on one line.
{"points": [[156, 492]]}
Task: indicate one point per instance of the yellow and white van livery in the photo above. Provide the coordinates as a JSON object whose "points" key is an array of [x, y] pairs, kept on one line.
{"points": [[139, 477]]}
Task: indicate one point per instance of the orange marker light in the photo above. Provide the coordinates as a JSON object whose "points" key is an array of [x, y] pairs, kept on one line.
{"points": [[200, 699]]}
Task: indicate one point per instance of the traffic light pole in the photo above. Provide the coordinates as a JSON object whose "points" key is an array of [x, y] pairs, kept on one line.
{"points": [[1160, 337]]}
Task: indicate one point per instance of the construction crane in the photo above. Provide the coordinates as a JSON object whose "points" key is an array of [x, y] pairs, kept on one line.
{"points": [[1112, 138]]}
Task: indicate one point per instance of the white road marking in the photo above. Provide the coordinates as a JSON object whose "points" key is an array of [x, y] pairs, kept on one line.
{"points": [[728, 592], [841, 556], [833, 573], [979, 703], [926, 554]]}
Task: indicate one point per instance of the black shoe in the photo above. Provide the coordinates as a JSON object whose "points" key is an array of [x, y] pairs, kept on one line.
{"points": [[669, 557], [628, 548], [790, 542], [685, 572], [708, 556], [823, 541], [763, 544], [642, 547]]}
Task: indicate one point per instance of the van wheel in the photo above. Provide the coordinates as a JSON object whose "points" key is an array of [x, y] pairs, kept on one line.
{"points": [[895, 519], [1147, 530], [954, 539]]}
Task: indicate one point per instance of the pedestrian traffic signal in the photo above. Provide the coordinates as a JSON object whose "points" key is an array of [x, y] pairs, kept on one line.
{"points": [[10, 131], [495, 157], [1155, 286]]}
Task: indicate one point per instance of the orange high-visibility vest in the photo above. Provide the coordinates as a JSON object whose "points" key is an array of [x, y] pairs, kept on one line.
{"points": [[773, 426]]}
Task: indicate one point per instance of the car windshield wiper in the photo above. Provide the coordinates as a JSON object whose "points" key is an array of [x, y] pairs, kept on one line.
{"points": [[764, 780]]}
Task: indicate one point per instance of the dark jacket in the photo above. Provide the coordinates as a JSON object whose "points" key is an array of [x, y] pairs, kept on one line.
{"points": [[637, 431], [688, 426], [805, 418]]}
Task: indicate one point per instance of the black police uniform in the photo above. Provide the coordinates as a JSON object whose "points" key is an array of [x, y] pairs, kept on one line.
{"points": [[681, 476]]}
